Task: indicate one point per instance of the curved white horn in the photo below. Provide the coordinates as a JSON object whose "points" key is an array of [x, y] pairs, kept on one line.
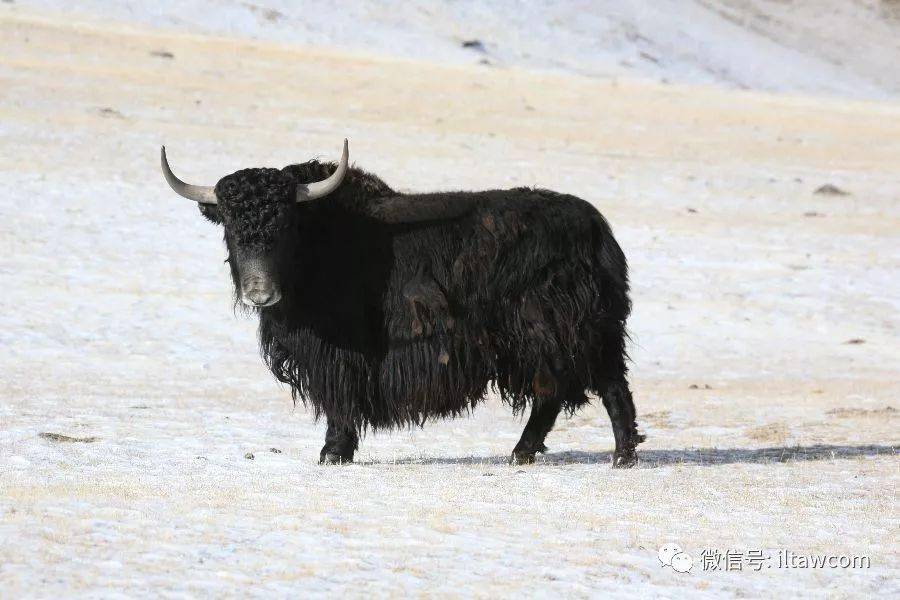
{"points": [[311, 191], [197, 193]]}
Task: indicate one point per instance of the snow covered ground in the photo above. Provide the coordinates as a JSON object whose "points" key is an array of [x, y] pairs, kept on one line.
{"points": [[765, 328]]}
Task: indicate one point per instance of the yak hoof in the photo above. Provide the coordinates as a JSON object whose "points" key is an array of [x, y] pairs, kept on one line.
{"points": [[330, 458], [624, 460], [521, 458]]}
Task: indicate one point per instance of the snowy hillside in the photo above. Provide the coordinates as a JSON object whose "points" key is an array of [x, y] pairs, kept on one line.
{"points": [[842, 47]]}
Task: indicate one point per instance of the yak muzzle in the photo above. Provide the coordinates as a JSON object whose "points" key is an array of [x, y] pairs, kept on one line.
{"points": [[259, 280], [259, 293]]}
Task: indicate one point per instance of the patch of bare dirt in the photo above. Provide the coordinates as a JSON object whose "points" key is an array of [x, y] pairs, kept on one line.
{"points": [[58, 437], [887, 411]]}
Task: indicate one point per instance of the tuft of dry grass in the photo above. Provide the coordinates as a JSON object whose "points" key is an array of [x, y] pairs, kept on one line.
{"points": [[773, 433]]}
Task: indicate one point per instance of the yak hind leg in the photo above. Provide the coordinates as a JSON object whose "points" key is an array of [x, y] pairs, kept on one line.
{"points": [[543, 416], [620, 406], [341, 442], [553, 389], [617, 399]]}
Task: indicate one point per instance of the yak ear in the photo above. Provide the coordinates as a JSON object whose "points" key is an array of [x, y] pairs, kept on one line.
{"points": [[211, 212]]}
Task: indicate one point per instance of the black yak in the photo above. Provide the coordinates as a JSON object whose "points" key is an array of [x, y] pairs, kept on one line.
{"points": [[383, 309]]}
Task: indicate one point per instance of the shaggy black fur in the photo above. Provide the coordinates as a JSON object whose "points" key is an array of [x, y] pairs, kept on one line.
{"points": [[398, 308]]}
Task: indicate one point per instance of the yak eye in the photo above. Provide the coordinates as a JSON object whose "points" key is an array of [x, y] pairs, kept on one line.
{"points": [[229, 187]]}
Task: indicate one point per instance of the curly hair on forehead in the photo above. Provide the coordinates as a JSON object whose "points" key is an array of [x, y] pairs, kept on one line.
{"points": [[251, 202]]}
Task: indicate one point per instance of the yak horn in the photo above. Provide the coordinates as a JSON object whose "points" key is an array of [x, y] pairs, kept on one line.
{"points": [[311, 191], [198, 193]]}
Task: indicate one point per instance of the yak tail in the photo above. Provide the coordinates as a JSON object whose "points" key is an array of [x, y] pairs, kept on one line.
{"points": [[611, 270]]}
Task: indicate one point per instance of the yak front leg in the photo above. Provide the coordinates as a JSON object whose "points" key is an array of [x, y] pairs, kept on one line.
{"points": [[340, 443]]}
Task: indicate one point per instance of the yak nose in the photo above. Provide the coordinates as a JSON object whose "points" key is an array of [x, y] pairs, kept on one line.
{"points": [[259, 294]]}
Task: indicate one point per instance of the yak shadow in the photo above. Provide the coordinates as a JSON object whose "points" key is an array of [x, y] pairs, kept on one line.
{"points": [[649, 459]]}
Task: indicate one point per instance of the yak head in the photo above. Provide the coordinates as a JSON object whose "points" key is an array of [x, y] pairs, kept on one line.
{"points": [[257, 208]]}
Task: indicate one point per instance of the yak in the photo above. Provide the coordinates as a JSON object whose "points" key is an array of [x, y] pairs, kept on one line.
{"points": [[383, 309]]}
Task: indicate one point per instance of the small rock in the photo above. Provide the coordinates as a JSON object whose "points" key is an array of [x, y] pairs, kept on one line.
{"points": [[831, 190], [855, 341], [110, 112], [162, 54], [273, 15], [812, 213], [249, 456], [692, 210], [474, 44], [693, 386]]}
